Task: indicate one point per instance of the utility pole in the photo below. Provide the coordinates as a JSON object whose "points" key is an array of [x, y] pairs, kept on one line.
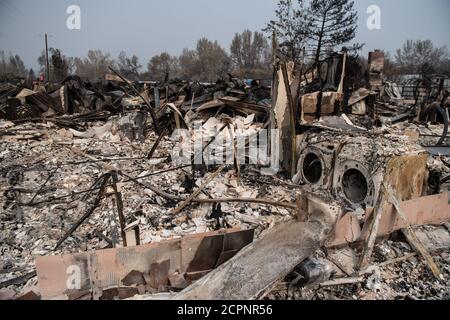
{"points": [[46, 59]]}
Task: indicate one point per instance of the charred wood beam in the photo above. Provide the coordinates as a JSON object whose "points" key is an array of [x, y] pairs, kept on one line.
{"points": [[43, 186], [136, 180], [119, 202], [248, 200], [156, 190], [373, 232], [292, 122], [22, 279], [411, 235], [104, 179], [156, 144]]}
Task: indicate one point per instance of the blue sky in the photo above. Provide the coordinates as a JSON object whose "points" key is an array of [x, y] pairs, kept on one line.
{"points": [[146, 28]]}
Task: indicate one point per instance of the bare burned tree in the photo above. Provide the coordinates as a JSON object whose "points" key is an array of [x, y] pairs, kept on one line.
{"points": [[331, 23], [129, 66], [391, 69], [421, 56], [94, 66], [208, 62], [31, 75], [60, 65], [11, 66], [251, 55], [163, 67], [289, 28]]}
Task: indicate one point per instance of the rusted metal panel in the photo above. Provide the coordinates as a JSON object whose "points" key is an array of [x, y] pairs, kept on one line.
{"points": [[430, 210], [206, 255], [407, 175], [210, 251], [106, 268], [328, 104], [420, 211], [347, 231]]}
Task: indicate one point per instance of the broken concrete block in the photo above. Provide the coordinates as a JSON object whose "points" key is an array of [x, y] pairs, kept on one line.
{"points": [[133, 278], [178, 281], [125, 293], [158, 274]]}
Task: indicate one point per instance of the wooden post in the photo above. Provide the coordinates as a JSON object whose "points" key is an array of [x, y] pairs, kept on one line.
{"points": [[373, 231], [292, 123], [411, 235], [47, 68], [118, 197]]}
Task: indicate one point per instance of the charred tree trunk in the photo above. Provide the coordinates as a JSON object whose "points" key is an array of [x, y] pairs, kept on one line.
{"points": [[319, 44]]}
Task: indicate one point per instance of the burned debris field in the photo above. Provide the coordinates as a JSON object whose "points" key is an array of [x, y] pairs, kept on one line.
{"points": [[292, 168]]}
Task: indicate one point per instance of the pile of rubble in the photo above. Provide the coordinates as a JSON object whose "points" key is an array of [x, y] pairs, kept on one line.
{"points": [[121, 190], [398, 273]]}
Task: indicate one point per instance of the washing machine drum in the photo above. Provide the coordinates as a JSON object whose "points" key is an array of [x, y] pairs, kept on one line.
{"points": [[353, 183]]}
